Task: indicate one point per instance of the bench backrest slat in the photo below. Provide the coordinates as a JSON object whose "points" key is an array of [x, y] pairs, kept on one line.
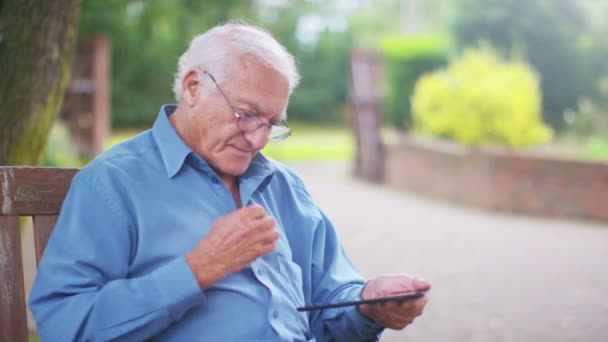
{"points": [[28, 191], [13, 319], [25, 191], [43, 227]]}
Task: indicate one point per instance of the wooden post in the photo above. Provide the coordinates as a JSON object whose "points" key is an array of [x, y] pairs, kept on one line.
{"points": [[366, 116], [101, 96], [86, 107]]}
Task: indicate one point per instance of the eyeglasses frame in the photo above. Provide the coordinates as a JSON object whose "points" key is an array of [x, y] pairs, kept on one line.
{"points": [[253, 118]]}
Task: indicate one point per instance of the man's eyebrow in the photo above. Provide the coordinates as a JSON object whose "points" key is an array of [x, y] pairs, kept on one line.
{"points": [[254, 108], [259, 112]]}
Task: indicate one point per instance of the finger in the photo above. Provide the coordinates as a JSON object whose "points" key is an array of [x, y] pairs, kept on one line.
{"points": [[391, 306], [394, 321], [415, 307], [390, 313], [266, 223], [398, 310], [397, 314], [419, 305], [271, 236], [403, 283], [420, 284], [399, 325], [254, 211], [267, 248], [396, 317], [264, 227]]}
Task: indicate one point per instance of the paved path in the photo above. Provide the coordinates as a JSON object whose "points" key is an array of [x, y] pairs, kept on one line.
{"points": [[495, 277]]}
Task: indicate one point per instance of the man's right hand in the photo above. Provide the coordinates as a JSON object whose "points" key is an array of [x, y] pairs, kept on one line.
{"points": [[233, 241]]}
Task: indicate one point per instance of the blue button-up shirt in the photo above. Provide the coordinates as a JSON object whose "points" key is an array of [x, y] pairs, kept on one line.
{"points": [[114, 267]]}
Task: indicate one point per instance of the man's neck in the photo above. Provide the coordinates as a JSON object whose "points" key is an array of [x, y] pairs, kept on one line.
{"points": [[232, 183]]}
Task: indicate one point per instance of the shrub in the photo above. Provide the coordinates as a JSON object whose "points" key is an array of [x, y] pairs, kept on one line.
{"points": [[481, 99], [405, 60]]}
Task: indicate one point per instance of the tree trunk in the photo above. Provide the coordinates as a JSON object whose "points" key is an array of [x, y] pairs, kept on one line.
{"points": [[37, 40]]}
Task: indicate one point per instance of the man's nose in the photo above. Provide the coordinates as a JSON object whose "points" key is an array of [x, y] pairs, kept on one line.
{"points": [[258, 138]]}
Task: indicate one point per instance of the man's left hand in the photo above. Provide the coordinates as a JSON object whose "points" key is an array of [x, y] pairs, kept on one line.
{"points": [[394, 315]]}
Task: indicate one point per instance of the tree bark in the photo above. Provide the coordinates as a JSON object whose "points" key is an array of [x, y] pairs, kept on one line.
{"points": [[37, 41]]}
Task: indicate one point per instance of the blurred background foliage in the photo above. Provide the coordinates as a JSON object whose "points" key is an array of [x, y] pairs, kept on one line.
{"points": [[60, 151], [481, 99], [564, 42], [148, 37], [405, 60], [553, 35]]}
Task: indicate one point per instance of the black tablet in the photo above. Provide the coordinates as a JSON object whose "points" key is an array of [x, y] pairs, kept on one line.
{"points": [[398, 298]]}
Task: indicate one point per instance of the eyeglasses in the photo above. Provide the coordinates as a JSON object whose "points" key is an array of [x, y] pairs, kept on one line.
{"points": [[249, 123]]}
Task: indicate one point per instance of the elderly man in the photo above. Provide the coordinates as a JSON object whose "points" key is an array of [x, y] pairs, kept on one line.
{"points": [[188, 233]]}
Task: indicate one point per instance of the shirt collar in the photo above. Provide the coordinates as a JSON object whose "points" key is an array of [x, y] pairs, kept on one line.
{"points": [[172, 148], [256, 178]]}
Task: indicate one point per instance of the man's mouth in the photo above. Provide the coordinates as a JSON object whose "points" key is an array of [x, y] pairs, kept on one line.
{"points": [[242, 149]]}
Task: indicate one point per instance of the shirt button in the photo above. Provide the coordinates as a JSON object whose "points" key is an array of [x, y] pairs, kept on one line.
{"points": [[214, 180], [275, 314], [260, 271]]}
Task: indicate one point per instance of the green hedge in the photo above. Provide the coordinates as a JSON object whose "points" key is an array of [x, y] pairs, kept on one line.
{"points": [[481, 99], [405, 60]]}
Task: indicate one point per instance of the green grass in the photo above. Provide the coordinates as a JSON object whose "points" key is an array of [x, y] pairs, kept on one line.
{"points": [[306, 143], [313, 143], [595, 147], [119, 136], [592, 147]]}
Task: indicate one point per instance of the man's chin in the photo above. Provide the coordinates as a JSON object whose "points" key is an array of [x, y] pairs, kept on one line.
{"points": [[235, 163], [237, 168]]}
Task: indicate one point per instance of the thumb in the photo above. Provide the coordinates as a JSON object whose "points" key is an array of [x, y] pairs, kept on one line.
{"points": [[421, 285]]}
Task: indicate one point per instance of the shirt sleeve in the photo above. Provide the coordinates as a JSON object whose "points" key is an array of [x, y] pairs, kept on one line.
{"points": [[334, 278], [83, 291]]}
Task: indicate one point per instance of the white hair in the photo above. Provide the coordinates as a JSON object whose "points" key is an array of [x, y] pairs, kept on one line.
{"points": [[211, 49]]}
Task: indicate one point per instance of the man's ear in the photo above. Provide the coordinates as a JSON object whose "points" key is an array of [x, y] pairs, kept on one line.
{"points": [[192, 87]]}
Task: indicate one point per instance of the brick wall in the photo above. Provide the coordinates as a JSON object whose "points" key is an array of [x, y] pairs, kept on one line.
{"points": [[498, 179]]}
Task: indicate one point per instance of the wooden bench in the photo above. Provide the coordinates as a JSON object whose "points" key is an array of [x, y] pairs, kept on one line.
{"points": [[36, 192]]}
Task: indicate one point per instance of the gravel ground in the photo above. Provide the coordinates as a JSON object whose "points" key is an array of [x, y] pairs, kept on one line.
{"points": [[495, 277]]}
